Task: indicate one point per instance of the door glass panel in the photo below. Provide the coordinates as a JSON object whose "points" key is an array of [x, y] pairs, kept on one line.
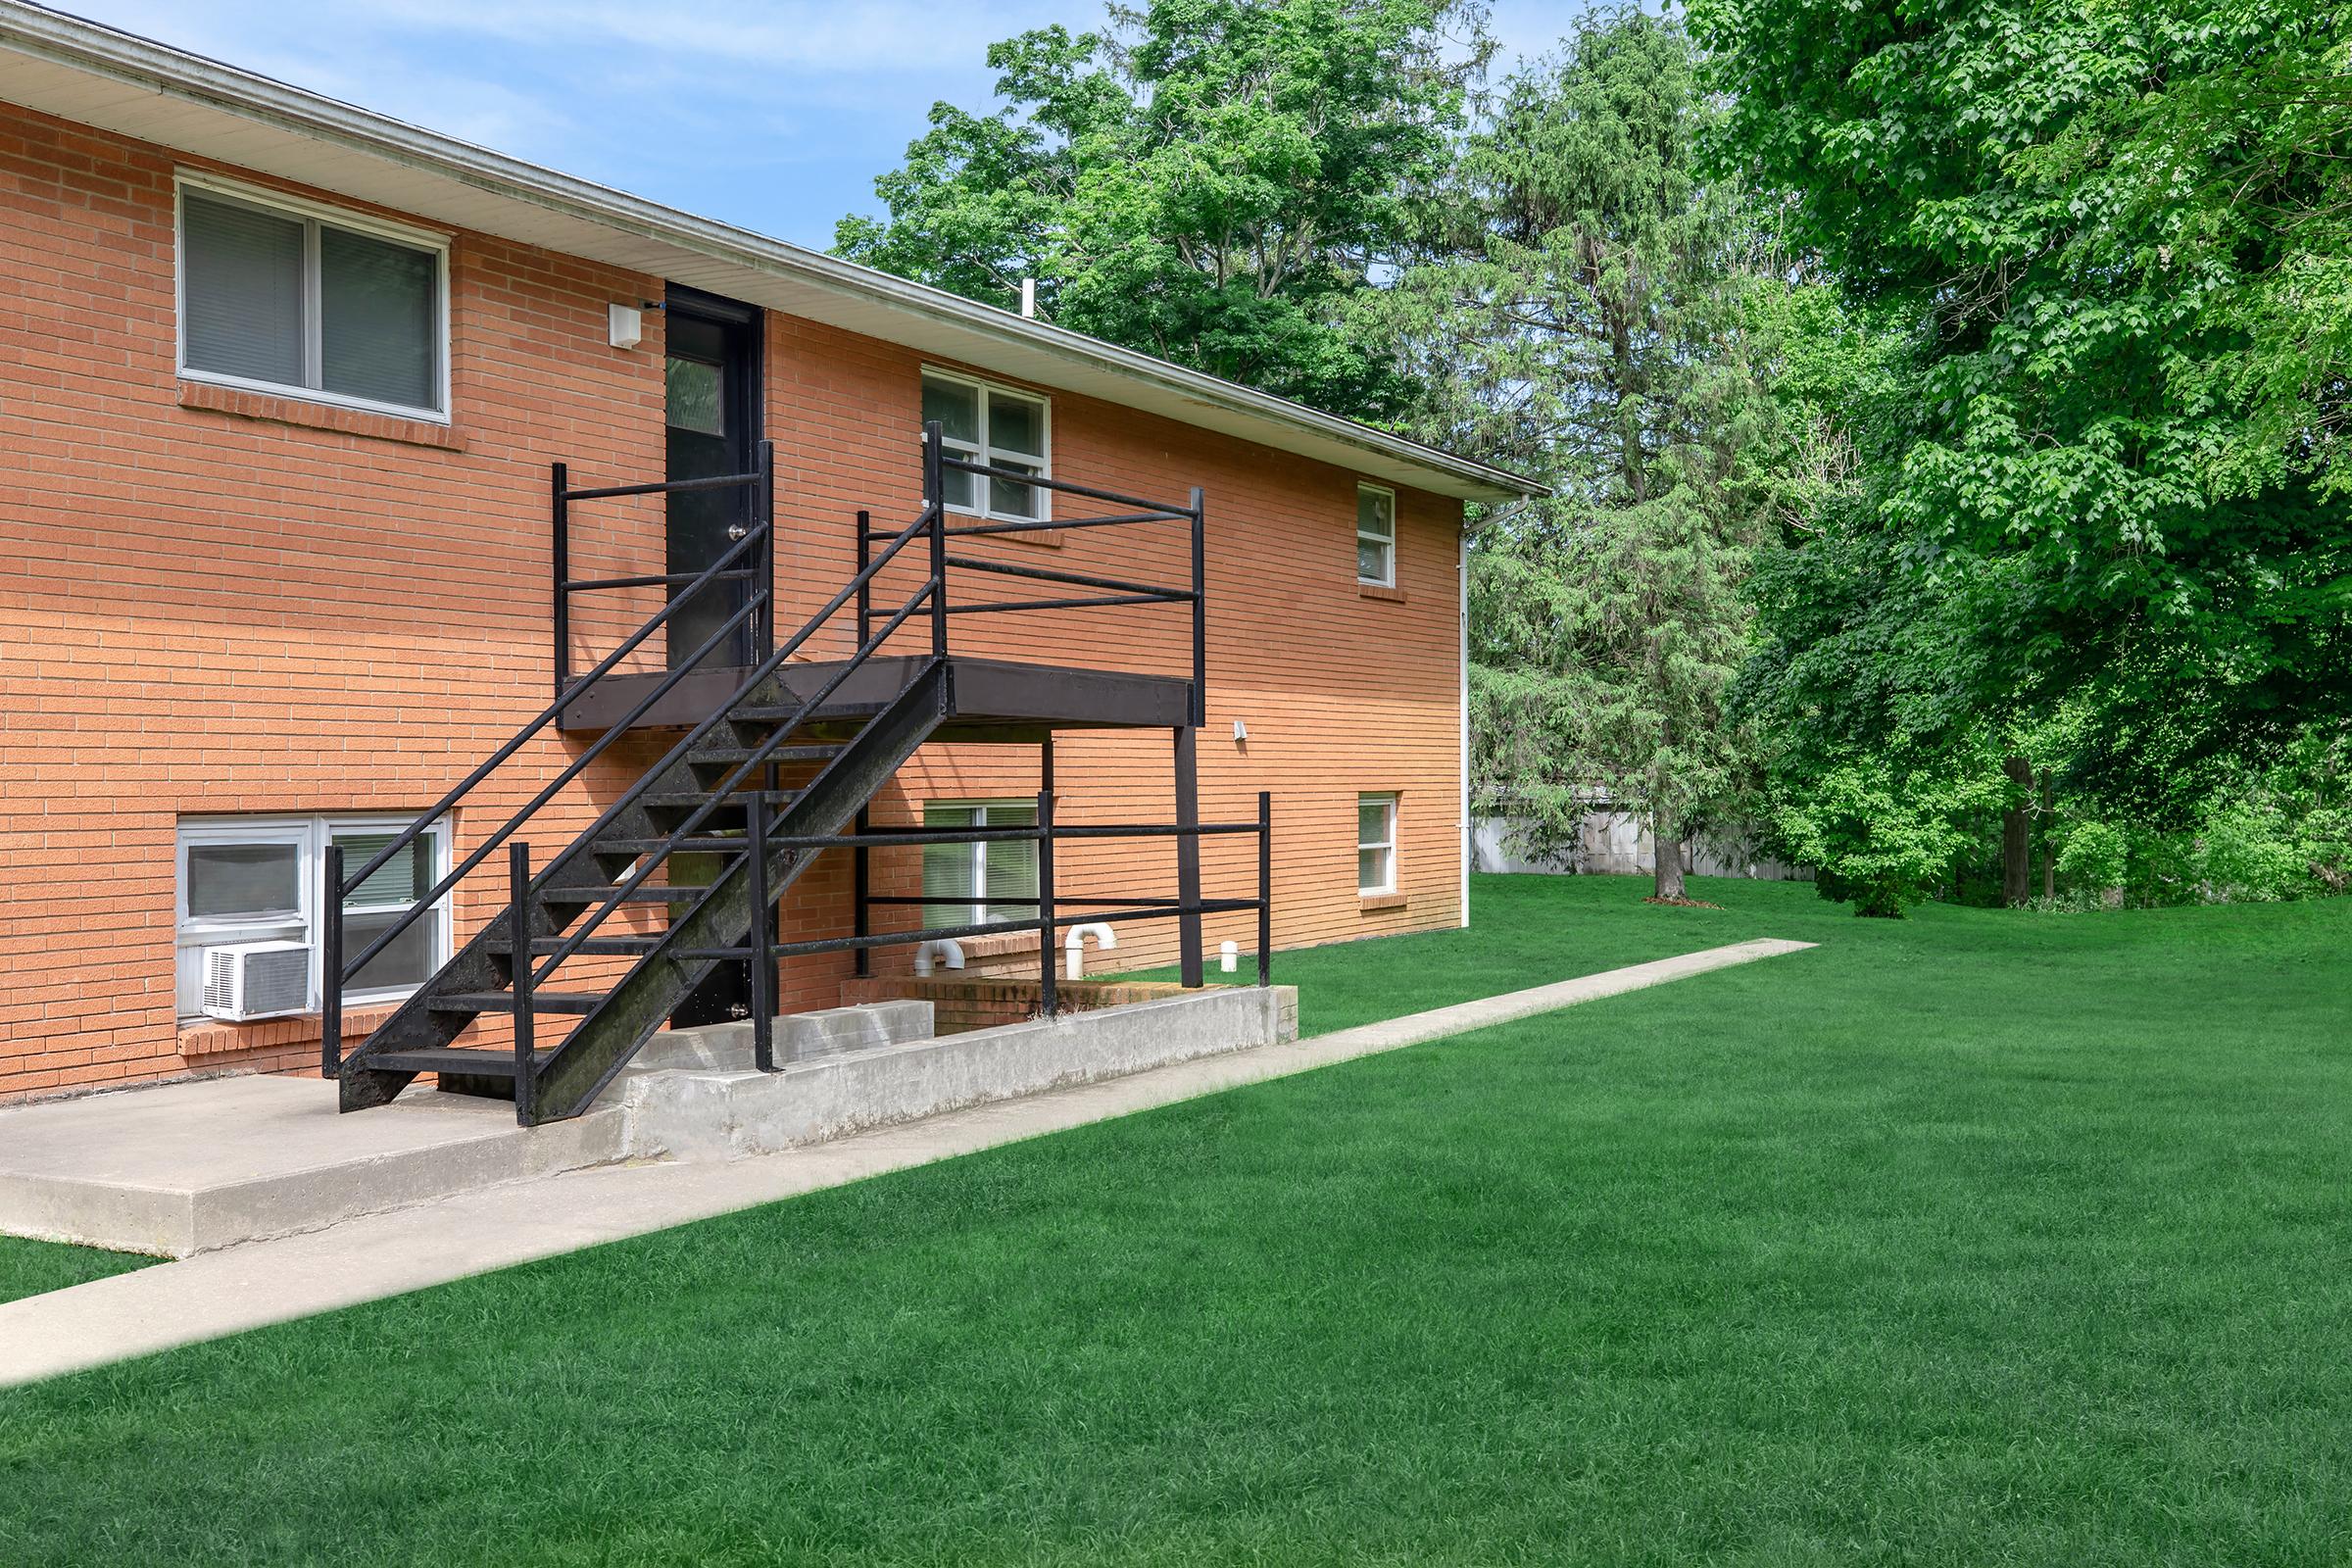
{"points": [[696, 396], [243, 881]]}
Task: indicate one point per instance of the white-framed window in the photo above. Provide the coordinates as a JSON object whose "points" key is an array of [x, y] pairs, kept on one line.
{"points": [[1375, 844], [257, 879], [282, 295], [961, 880], [1375, 536], [997, 426]]}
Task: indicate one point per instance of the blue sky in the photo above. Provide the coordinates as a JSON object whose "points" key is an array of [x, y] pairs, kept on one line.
{"points": [[777, 115]]}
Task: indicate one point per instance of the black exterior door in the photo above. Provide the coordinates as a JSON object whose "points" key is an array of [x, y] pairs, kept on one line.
{"points": [[711, 407], [712, 413]]}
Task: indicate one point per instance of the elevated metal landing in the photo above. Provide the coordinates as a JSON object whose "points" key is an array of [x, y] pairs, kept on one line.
{"points": [[988, 699]]}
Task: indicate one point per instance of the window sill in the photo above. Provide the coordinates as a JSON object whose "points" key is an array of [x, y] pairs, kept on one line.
{"points": [[1373, 590], [208, 1037], [1374, 903], [272, 408]]}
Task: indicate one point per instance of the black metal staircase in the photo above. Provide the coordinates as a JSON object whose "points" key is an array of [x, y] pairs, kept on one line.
{"points": [[718, 793]]}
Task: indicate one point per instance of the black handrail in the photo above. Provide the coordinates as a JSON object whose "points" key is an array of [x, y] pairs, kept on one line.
{"points": [[1050, 902], [716, 794], [937, 462], [337, 972], [760, 535], [766, 668], [761, 481]]}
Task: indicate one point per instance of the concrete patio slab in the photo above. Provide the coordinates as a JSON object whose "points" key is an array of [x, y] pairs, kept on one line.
{"points": [[363, 1259], [184, 1168]]}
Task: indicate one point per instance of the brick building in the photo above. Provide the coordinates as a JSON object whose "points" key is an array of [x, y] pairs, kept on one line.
{"points": [[283, 385]]}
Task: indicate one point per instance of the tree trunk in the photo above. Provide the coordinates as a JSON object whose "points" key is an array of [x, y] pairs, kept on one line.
{"points": [[1666, 855], [2017, 835], [2049, 855]]}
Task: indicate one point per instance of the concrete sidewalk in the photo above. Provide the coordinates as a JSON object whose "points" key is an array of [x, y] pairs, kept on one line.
{"points": [[365, 1259]]}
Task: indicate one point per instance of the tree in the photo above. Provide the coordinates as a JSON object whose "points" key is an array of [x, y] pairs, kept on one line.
{"points": [[1212, 182], [1585, 327], [2113, 235]]}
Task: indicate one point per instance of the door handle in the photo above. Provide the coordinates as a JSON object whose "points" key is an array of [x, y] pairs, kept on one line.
{"points": [[735, 532]]}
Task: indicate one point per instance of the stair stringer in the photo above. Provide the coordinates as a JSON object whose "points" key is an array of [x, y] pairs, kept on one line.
{"points": [[485, 963], [639, 1005]]}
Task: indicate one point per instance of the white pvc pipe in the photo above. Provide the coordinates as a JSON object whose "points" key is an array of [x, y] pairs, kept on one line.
{"points": [[1073, 947], [945, 948], [1229, 956]]}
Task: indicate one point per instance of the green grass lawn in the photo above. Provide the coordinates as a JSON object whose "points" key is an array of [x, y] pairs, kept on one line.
{"points": [[1973, 1237], [28, 1269]]}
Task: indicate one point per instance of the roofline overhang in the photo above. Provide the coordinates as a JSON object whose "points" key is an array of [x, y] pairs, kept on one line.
{"points": [[125, 58]]}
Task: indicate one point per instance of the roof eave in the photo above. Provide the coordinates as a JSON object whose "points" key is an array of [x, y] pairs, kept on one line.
{"points": [[127, 58]]}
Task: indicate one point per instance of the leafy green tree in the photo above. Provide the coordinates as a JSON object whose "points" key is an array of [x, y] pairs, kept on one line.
{"points": [[1585, 327], [1212, 182], [2113, 236]]}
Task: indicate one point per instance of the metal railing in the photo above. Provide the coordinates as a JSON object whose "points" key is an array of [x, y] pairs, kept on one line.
{"points": [[337, 887], [1051, 902], [939, 463], [751, 558]]}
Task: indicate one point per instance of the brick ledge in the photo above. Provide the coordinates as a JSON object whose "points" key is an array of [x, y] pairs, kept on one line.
{"points": [[270, 408], [211, 1038]]}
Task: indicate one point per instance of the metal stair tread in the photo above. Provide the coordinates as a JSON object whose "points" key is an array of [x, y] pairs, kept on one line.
{"points": [[481, 1062], [503, 1001], [595, 893]]}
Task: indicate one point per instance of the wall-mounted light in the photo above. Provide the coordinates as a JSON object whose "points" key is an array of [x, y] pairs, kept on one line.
{"points": [[626, 324]]}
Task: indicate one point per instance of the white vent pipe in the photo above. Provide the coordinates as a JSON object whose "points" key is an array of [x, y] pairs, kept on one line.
{"points": [[951, 952], [1074, 946]]}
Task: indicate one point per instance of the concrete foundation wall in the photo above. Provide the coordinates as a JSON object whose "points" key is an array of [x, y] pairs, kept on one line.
{"points": [[726, 1114]]}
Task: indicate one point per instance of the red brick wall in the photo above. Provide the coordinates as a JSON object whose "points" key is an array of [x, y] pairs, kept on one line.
{"points": [[215, 603]]}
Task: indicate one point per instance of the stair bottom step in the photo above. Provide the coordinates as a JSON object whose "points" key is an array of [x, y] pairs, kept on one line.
{"points": [[457, 1059]]}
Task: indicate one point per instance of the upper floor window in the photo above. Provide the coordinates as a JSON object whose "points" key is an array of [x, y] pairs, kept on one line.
{"points": [[285, 296], [1375, 535], [1001, 428]]}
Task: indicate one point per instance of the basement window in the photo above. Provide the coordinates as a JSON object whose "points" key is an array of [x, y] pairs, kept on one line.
{"points": [[259, 879], [1375, 536], [1001, 428], [286, 296], [1375, 845], [975, 884]]}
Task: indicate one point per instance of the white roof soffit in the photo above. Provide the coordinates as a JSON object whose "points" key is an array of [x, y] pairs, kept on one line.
{"points": [[96, 75]]}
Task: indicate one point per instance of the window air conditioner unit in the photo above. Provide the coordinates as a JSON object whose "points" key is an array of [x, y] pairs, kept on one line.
{"points": [[256, 980]]}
